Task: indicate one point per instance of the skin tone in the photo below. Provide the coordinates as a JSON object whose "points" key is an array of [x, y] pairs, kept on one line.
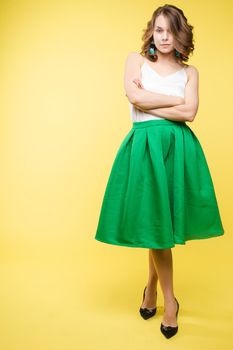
{"points": [[161, 269], [160, 260], [166, 62]]}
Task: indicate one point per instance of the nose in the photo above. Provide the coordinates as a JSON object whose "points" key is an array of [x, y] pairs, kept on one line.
{"points": [[165, 36]]}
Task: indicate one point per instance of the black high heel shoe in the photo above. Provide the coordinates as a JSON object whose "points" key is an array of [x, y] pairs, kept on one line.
{"points": [[169, 331], [145, 312]]}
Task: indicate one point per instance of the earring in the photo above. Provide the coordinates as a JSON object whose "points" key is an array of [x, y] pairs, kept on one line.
{"points": [[152, 49], [177, 53]]}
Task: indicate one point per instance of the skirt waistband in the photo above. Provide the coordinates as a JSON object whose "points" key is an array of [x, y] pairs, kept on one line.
{"points": [[155, 122]]}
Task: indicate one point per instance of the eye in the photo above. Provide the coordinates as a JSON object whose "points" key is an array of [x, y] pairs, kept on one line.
{"points": [[158, 30]]}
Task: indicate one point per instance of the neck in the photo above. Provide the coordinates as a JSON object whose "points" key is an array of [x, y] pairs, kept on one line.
{"points": [[166, 57]]}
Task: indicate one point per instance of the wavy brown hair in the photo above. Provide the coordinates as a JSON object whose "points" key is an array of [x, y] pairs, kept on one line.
{"points": [[180, 28]]}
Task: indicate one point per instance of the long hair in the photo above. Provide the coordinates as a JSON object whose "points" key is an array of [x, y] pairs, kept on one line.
{"points": [[180, 28]]}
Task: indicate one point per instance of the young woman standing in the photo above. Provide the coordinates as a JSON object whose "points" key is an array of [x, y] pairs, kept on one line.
{"points": [[160, 191]]}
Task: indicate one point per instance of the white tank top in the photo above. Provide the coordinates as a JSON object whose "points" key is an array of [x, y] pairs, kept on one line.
{"points": [[172, 84]]}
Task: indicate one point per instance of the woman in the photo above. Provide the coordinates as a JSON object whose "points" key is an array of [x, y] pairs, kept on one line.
{"points": [[160, 191]]}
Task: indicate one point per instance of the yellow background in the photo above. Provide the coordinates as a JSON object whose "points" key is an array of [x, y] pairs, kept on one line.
{"points": [[63, 115]]}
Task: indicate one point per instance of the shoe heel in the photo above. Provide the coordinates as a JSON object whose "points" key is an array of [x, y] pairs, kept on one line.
{"points": [[169, 331], [145, 312]]}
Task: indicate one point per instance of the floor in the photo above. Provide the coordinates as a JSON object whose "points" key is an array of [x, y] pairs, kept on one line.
{"points": [[85, 295]]}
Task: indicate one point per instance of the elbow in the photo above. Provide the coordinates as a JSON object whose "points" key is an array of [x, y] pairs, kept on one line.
{"points": [[191, 115], [132, 97]]}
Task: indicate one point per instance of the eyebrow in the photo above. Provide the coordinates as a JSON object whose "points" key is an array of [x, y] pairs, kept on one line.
{"points": [[161, 28]]}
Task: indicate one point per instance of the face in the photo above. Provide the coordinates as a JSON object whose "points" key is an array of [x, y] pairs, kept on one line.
{"points": [[162, 35]]}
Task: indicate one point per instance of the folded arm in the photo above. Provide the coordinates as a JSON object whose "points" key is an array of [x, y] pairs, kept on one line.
{"points": [[185, 111], [139, 96]]}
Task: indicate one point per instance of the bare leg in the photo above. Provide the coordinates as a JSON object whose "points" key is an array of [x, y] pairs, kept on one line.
{"points": [[164, 266], [150, 295]]}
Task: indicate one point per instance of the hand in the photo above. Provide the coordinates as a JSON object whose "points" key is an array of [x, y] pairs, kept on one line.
{"points": [[138, 83]]}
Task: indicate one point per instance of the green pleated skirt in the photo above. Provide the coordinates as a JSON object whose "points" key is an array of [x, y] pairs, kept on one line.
{"points": [[160, 191]]}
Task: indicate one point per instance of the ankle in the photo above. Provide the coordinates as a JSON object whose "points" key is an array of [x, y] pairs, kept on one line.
{"points": [[151, 288], [169, 301], [152, 284]]}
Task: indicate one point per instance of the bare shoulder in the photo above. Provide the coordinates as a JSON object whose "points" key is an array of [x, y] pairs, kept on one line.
{"points": [[191, 70], [134, 56]]}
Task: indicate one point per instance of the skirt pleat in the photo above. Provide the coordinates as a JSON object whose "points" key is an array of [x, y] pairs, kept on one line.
{"points": [[160, 191]]}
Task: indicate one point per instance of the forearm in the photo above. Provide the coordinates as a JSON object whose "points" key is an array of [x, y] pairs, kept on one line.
{"points": [[184, 111], [176, 113], [151, 100]]}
